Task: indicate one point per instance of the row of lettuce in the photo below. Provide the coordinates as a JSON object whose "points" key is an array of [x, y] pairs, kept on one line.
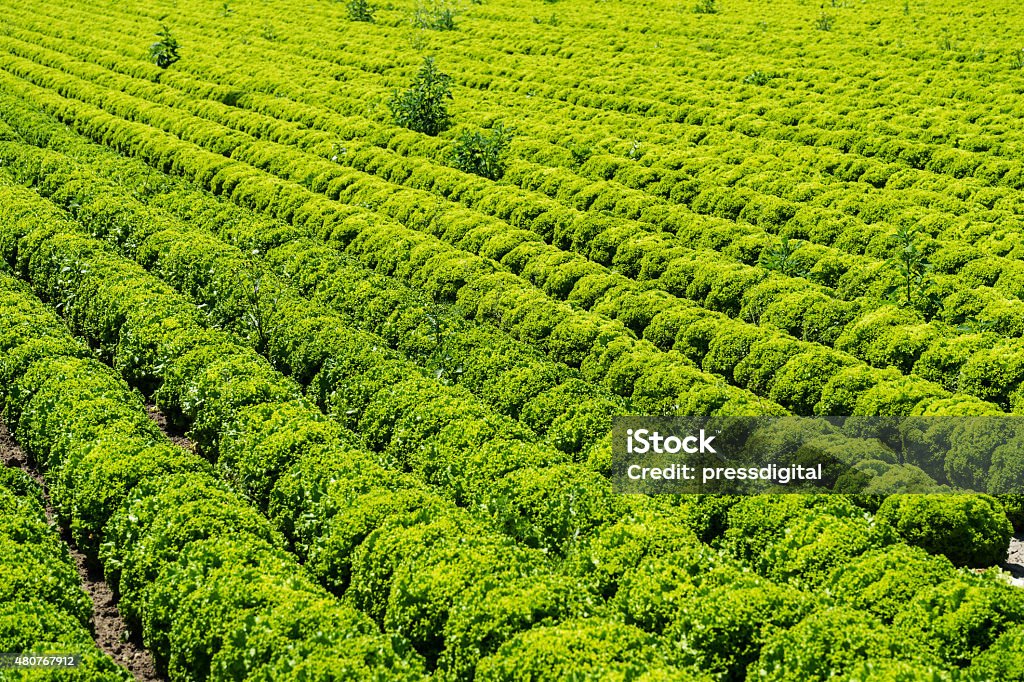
{"points": [[44, 611], [658, 143], [214, 383], [640, 306], [887, 336], [796, 112], [571, 414], [639, 589]]}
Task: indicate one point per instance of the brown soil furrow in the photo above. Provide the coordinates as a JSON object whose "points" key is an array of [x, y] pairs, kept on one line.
{"points": [[165, 425], [110, 632]]}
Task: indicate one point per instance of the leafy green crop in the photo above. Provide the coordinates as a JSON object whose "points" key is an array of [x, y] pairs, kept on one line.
{"points": [[397, 348], [483, 153], [969, 530]]}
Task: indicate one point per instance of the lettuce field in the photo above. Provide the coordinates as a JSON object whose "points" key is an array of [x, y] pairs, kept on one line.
{"points": [[315, 318]]}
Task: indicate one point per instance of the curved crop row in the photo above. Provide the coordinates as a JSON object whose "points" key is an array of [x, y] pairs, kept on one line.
{"points": [[805, 399], [915, 340], [401, 553], [604, 350], [44, 610], [193, 564], [512, 377]]}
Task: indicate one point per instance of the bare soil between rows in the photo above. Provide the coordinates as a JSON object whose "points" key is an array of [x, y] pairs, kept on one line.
{"points": [[175, 436], [109, 628]]}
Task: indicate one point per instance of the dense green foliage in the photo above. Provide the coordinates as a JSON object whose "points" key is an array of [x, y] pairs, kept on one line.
{"points": [[483, 153], [164, 52], [396, 335], [44, 610], [423, 107], [360, 10], [971, 531]]}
